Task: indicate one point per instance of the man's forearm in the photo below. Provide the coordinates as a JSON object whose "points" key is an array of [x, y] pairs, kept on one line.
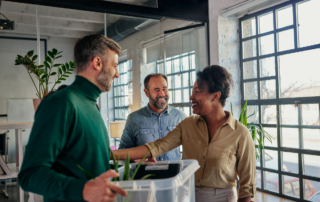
{"points": [[134, 153]]}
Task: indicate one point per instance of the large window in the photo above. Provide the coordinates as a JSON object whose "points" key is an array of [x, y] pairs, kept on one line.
{"points": [[120, 92], [180, 71], [280, 50]]}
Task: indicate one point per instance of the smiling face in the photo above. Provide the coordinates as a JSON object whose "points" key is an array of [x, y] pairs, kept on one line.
{"points": [[109, 71], [203, 103], [157, 92]]}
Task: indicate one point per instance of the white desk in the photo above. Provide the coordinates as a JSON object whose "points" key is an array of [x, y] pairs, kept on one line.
{"points": [[19, 150]]}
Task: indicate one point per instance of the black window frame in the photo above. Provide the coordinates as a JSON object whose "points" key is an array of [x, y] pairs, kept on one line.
{"points": [[278, 101]]}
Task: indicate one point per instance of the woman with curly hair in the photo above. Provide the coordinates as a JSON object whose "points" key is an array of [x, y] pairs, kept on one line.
{"points": [[221, 144]]}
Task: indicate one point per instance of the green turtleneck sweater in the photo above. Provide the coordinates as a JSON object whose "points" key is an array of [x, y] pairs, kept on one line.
{"points": [[68, 131]]}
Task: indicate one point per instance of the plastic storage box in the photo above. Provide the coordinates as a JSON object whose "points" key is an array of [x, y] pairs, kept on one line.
{"points": [[180, 188]]}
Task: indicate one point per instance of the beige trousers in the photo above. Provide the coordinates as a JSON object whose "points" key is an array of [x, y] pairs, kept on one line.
{"points": [[216, 195]]}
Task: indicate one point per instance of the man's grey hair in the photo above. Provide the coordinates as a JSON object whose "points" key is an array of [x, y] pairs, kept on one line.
{"points": [[91, 46]]}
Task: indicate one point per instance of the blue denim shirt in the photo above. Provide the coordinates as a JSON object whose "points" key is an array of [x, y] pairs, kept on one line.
{"points": [[144, 126]]}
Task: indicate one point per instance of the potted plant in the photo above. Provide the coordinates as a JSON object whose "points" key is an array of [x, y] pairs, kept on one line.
{"points": [[42, 74]]}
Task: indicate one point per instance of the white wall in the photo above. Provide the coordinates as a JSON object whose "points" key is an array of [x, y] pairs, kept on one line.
{"points": [[16, 87]]}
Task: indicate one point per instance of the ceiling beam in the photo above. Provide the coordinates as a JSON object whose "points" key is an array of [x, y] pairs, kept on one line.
{"points": [[53, 22]]}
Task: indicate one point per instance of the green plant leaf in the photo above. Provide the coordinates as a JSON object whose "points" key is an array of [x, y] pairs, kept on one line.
{"points": [[67, 65], [65, 75], [126, 172], [56, 65], [63, 68], [59, 69], [68, 73], [34, 57], [46, 64], [86, 172], [48, 59], [44, 76], [147, 176], [53, 73], [63, 79], [30, 53], [58, 82], [58, 57], [231, 108], [138, 166], [40, 66], [59, 52], [51, 54], [54, 51]]}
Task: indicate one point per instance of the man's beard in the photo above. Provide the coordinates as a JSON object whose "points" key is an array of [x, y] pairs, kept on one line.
{"points": [[155, 103], [104, 79]]}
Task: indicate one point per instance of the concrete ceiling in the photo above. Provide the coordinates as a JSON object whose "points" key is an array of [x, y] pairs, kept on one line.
{"points": [[54, 21]]}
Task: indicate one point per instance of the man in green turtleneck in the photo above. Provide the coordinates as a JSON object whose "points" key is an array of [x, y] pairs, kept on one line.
{"points": [[68, 130]]}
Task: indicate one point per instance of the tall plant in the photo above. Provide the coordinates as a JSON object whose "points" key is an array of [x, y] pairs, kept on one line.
{"points": [[257, 132], [43, 76]]}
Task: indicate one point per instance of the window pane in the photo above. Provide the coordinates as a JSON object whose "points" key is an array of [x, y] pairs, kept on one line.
{"points": [[250, 69], [284, 17], [193, 62], [271, 182], [254, 111], [269, 114], [311, 165], [258, 159], [193, 78], [186, 110], [168, 66], [185, 63], [185, 80], [265, 22], [291, 186], [186, 95], [310, 114], [288, 114], [290, 137], [296, 79], [177, 96], [126, 90], [250, 90], [307, 12], [266, 44], [268, 89], [171, 98], [249, 48], [311, 190], [177, 81], [311, 139], [267, 67], [170, 82], [248, 27], [290, 162], [176, 65], [125, 78], [258, 178], [285, 40], [273, 133], [271, 159]]}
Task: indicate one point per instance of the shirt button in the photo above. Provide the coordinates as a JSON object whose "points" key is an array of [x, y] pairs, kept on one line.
{"points": [[145, 132], [161, 131]]}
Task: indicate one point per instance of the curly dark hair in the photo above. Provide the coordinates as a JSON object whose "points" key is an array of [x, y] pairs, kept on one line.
{"points": [[215, 78]]}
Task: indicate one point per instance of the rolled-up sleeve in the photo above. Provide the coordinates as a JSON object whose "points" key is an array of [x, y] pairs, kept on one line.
{"points": [[246, 168], [172, 140]]}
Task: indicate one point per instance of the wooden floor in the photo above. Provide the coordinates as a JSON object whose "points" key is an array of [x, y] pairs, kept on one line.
{"points": [[263, 197]]}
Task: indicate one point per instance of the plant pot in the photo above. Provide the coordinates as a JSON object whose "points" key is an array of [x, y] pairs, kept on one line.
{"points": [[36, 103]]}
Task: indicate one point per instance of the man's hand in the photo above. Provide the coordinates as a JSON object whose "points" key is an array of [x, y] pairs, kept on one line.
{"points": [[101, 189], [152, 159]]}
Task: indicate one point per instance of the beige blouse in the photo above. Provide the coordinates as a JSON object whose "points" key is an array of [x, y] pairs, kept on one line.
{"points": [[230, 152]]}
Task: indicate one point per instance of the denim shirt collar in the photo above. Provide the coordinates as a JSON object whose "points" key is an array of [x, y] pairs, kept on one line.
{"points": [[166, 111]]}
